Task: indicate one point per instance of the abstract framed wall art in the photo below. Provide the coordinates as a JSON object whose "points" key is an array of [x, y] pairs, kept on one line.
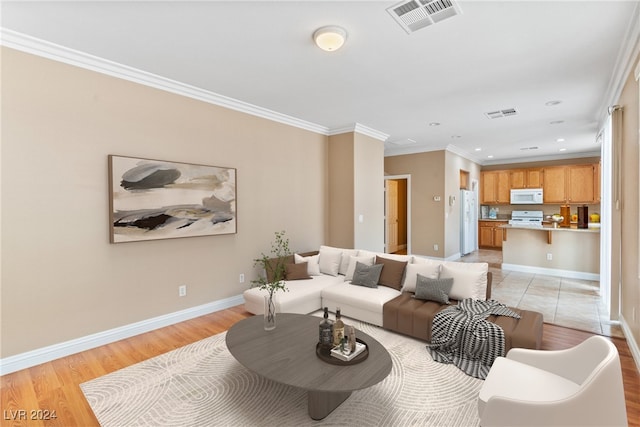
{"points": [[154, 199]]}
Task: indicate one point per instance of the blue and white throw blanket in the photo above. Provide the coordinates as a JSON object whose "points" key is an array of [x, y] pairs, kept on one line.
{"points": [[461, 335]]}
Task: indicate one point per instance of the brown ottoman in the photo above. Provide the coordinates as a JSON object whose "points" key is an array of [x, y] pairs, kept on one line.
{"points": [[414, 317]]}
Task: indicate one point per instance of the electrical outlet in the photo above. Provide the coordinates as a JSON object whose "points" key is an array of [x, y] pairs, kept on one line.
{"points": [[435, 246], [549, 256], [182, 290], [241, 279]]}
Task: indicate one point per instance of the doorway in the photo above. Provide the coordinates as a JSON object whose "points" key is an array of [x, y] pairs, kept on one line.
{"points": [[397, 214]]}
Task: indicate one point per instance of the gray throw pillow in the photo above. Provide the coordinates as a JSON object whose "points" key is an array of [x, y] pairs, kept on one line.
{"points": [[433, 289], [367, 275]]}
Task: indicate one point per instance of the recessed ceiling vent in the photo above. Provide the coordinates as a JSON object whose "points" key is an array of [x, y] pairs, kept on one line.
{"points": [[501, 113], [413, 15]]}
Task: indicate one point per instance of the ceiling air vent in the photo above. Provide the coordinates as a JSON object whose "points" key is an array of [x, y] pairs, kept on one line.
{"points": [[413, 15], [501, 113]]}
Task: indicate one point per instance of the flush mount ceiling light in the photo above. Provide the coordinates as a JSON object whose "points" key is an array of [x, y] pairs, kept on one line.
{"points": [[330, 38], [552, 103]]}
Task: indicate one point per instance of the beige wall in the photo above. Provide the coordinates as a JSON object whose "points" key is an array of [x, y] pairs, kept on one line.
{"points": [[356, 185], [341, 233], [436, 173], [427, 172], [530, 248], [629, 240], [61, 278]]}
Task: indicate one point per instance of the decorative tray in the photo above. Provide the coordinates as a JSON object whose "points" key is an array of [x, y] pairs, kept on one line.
{"points": [[327, 357]]}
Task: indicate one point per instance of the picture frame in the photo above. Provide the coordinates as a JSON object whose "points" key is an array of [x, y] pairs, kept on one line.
{"points": [[157, 199]]}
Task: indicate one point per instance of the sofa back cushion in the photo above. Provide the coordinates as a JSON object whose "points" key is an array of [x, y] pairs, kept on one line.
{"points": [[272, 267], [346, 257], [427, 268], [366, 260], [367, 275], [433, 289], [392, 272], [313, 268], [330, 260], [469, 279], [296, 271]]}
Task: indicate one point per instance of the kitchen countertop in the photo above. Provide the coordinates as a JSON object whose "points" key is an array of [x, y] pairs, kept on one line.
{"points": [[549, 227], [494, 219]]}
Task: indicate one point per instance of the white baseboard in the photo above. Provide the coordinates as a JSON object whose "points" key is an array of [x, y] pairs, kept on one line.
{"points": [[631, 342], [552, 272], [56, 351]]}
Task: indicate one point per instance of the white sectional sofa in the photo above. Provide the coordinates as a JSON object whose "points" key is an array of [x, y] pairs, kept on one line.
{"points": [[331, 270], [324, 279]]}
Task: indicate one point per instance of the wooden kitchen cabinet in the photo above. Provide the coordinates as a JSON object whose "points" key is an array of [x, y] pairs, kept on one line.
{"points": [[495, 187], [581, 182], [525, 178], [555, 184], [490, 234], [571, 184], [598, 195]]}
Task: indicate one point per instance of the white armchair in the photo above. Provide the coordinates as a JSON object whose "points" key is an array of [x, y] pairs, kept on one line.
{"points": [[580, 386]]}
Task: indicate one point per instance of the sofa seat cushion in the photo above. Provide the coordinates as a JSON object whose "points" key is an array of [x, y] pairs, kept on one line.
{"points": [[302, 297], [367, 298], [358, 301]]}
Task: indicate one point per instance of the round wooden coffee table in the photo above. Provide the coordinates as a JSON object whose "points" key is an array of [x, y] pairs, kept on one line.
{"points": [[287, 355]]}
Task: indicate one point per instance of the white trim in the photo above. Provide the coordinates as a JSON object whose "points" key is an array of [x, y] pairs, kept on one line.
{"points": [[46, 354], [454, 257], [627, 55], [43, 48], [556, 272], [410, 149], [631, 342], [362, 129], [463, 153], [408, 178]]}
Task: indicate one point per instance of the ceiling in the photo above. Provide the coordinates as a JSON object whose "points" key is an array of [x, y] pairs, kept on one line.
{"points": [[495, 55]]}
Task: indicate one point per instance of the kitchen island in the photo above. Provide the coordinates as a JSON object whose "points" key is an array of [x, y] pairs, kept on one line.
{"points": [[562, 251]]}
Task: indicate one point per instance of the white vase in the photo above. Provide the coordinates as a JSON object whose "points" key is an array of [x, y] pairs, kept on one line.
{"points": [[269, 313]]}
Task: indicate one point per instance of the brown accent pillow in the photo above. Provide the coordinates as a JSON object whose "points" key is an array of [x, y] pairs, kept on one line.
{"points": [[273, 265], [296, 271], [392, 272]]}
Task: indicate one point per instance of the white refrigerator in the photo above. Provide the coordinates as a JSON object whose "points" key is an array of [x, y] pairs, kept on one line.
{"points": [[468, 222]]}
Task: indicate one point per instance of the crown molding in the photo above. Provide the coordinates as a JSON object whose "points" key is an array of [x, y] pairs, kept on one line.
{"points": [[624, 65], [362, 129], [463, 153], [410, 149], [541, 158], [45, 49]]}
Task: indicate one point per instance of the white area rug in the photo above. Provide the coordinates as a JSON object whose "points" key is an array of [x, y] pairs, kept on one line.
{"points": [[201, 384]]}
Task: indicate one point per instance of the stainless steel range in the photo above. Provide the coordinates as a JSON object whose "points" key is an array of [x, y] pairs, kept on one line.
{"points": [[527, 218]]}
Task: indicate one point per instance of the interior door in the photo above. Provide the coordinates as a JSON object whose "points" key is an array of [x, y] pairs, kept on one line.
{"points": [[391, 209]]}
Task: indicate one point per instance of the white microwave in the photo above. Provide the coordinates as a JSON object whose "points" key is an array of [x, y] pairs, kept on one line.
{"points": [[526, 196]]}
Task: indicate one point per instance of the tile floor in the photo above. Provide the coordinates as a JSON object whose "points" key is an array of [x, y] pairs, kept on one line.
{"points": [[573, 303]]}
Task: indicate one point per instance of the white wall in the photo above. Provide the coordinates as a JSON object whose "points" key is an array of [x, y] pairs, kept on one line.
{"points": [[368, 193]]}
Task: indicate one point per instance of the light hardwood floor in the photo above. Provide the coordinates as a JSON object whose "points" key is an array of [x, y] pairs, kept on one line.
{"points": [[54, 386]]}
